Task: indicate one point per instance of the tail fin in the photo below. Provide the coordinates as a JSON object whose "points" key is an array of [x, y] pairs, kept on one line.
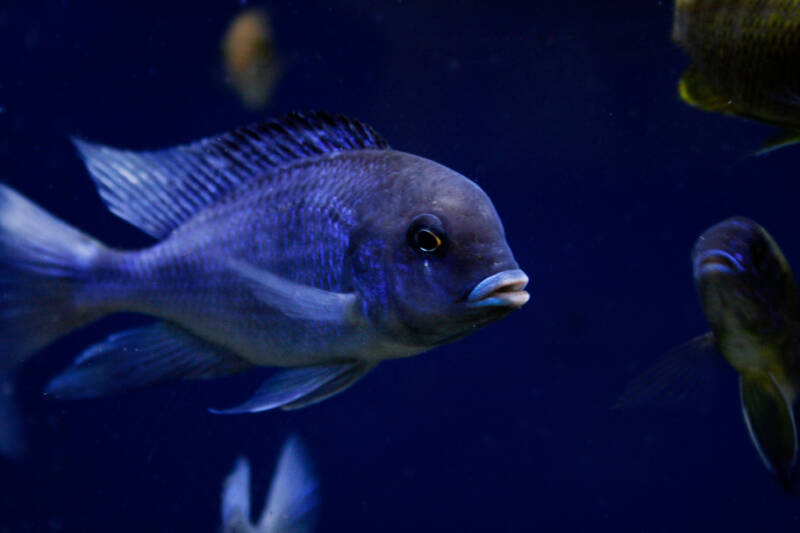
{"points": [[12, 444], [43, 264]]}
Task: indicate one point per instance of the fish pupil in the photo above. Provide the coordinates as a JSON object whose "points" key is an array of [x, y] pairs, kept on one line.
{"points": [[427, 240]]}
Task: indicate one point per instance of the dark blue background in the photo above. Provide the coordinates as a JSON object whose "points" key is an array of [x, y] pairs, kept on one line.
{"points": [[566, 113]]}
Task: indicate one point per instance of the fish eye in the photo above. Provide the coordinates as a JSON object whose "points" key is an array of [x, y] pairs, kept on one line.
{"points": [[426, 234]]}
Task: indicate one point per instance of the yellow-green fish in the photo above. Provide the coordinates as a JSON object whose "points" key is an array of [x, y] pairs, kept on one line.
{"points": [[745, 57], [749, 296]]}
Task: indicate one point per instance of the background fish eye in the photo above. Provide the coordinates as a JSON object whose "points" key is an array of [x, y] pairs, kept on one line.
{"points": [[426, 234]]}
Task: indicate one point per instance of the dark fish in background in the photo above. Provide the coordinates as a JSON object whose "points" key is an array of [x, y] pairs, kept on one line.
{"points": [[250, 58], [292, 499], [749, 296], [12, 444], [745, 61], [303, 242]]}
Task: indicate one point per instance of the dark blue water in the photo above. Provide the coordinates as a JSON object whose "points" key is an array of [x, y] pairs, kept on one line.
{"points": [[566, 113]]}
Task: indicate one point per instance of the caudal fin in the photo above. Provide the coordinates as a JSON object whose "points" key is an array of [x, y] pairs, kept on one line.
{"points": [[43, 265]]}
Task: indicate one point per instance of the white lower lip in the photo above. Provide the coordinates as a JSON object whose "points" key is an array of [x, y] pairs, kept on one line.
{"points": [[503, 299]]}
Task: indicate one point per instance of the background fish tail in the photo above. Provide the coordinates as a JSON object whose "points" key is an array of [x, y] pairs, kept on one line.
{"points": [[45, 266]]}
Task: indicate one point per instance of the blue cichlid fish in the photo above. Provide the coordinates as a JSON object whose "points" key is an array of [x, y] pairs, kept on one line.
{"points": [[744, 56], [291, 503], [304, 242], [749, 297]]}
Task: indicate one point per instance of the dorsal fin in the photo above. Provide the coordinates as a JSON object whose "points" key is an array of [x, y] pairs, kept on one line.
{"points": [[159, 190]]}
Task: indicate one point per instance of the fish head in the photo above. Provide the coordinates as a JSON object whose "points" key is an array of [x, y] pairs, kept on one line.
{"points": [[742, 278], [436, 265]]}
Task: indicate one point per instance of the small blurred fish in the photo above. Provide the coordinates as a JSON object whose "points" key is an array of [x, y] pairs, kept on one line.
{"points": [[292, 500], [744, 56], [250, 58], [303, 242], [12, 444], [749, 296]]}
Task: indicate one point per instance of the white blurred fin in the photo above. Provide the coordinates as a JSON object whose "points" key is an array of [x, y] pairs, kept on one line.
{"points": [[236, 499], [292, 500], [291, 505]]}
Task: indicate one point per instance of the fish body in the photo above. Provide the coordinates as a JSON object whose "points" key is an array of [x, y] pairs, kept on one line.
{"points": [[749, 296], [308, 240], [744, 56], [303, 243]]}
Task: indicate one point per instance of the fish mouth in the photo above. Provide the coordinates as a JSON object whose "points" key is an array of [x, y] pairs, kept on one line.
{"points": [[504, 289], [717, 262]]}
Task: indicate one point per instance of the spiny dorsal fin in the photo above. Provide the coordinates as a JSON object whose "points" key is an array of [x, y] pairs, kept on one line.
{"points": [[159, 190]]}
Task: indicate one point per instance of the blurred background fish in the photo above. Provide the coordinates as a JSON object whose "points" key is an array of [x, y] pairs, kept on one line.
{"points": [[291, 502], [745, 56], [252, 66], [12, 444], [749, 296]]}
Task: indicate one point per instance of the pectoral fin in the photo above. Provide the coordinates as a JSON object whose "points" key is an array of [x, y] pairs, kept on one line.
{"points": [[300, 387], [695, 90], [679, 376], [779, 140], [770, 420], [294, 299]]}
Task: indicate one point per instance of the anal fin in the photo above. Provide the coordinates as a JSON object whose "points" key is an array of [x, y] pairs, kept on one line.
{"points": [[143, 356], [300, 387], [770, 420]]}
